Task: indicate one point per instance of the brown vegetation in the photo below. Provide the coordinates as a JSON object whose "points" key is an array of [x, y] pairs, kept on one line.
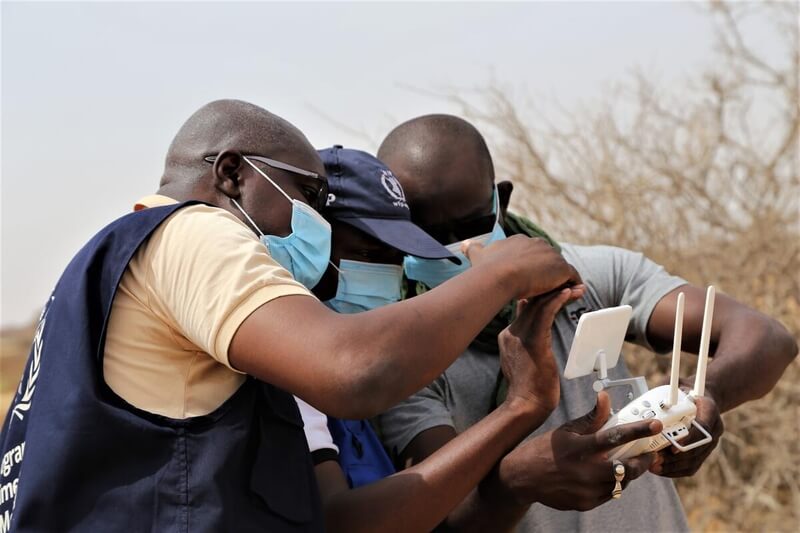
{"points": [[14, 347], [707, 183]]}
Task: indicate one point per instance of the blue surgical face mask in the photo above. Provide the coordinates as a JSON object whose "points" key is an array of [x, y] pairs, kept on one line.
{"points": [[434, 272], [365, 286], [305, 252]]}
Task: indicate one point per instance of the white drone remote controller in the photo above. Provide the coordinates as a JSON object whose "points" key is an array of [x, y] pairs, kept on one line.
{"points": [[604, 334]]}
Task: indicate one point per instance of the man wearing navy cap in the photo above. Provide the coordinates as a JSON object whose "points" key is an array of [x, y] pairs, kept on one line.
{"points": [[364, 195], [371, 233]]}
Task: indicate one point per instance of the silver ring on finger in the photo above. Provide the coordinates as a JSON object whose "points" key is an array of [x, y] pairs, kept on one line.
{"points": [[619, 475]]}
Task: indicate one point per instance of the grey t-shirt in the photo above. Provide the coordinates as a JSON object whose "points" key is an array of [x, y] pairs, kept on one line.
{"points": [[465, 392]]}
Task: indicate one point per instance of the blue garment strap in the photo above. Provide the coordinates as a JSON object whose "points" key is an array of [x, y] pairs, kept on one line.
{"points": [[361, 454]]}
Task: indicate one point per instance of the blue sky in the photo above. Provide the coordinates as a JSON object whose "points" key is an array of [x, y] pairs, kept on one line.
{"points": [[92, 93]]}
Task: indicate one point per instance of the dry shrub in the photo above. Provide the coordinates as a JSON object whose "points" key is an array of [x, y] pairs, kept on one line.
{"points": [[15, 343], [705, 182]]}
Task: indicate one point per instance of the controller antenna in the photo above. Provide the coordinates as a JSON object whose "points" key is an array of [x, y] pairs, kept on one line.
{"points": [[705, 338], [674, 377]]}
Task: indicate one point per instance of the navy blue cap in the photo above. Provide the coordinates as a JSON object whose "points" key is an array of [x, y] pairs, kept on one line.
{"points": [[363, 193]]}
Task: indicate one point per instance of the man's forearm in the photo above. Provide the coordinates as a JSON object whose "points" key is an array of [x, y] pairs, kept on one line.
{"points": [[487, 508], [420, 497], [355, 366], [751, 350], [752, 353]]}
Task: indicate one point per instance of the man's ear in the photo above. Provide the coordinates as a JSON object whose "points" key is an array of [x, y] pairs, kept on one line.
{"points": [[504, 189], [227, 172]]}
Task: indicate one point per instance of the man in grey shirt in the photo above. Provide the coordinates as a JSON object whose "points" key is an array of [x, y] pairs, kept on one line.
{"points": [[446, 171], [464, 394]]}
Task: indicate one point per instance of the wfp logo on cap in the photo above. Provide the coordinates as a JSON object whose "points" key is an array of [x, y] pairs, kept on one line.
{"points": [[394, 189]]}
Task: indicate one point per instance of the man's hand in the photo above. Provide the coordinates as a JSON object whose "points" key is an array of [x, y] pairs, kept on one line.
{"points": [[568, 468], [533, 265], [672, 463], [526, 355]]}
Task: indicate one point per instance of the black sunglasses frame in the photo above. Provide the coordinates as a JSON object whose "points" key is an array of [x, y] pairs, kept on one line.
{"points": [[459, 230]]}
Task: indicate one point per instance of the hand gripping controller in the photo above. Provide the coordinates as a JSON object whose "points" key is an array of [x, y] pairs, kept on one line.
{"points": [[675, 408]]}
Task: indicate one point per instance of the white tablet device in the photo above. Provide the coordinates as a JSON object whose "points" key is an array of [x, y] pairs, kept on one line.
{"points": [[598, 331]]}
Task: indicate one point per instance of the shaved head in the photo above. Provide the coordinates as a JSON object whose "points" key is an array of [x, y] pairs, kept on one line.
{"points": [[224, 124], [444, 165], [426, 144], [229, 130]]}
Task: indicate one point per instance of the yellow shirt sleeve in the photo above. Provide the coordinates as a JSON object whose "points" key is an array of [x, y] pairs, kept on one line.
{"points": [[207, 273]]}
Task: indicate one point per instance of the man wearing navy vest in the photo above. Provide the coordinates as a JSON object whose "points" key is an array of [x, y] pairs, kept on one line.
{"points": [[156, 394]]}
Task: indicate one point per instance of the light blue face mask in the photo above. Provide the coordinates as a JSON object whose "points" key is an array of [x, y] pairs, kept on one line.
{"points": [[365, 286], [434, 272], [305, 252]]}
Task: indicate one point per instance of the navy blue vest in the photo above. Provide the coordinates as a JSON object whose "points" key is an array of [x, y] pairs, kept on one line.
{"points": [[361, 454], [75, 456]]}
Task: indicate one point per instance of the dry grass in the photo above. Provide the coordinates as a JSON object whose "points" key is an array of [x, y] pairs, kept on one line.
{"points": [[707, 183], [14, 347]]}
